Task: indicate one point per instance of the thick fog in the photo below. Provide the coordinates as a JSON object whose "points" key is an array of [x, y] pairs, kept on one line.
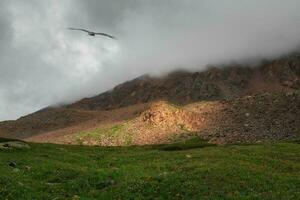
{"points": [[43, 63]]}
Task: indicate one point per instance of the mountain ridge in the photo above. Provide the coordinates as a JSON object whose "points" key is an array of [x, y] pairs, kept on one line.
{"points": [[130, 99], [213, 84]]}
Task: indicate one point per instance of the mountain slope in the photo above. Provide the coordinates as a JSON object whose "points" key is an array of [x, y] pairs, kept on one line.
{"points": [[223, 94], [212, 84], [263, 117]]}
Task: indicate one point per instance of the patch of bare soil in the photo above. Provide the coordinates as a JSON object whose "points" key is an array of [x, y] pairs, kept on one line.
{"points": [[97, 119]]}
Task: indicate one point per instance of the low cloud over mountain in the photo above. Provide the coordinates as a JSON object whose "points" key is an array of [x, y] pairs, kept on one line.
{"points": [[42, 63]]}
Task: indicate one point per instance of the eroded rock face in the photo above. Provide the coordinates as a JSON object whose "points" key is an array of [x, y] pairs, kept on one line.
{"points": [[165, 115]]}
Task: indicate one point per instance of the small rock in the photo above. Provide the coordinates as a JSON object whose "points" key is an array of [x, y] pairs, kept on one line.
{"points": [[188, 156], [12, 164], [112, 182], [14, 145], [75, 197]]}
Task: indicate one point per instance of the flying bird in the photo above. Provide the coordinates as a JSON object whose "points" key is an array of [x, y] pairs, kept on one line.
{"points": [[91, 33]]}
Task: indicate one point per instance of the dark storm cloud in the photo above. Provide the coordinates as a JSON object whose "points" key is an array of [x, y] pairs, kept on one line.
{"points": [[43, 63]]}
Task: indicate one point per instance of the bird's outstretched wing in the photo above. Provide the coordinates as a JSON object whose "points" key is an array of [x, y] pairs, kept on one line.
{"points": [[107, 35], [79, 29]]}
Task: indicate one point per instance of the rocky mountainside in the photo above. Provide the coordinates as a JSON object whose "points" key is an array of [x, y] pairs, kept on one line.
{"points": [[248, 119], [213, 84], [228, 104]]}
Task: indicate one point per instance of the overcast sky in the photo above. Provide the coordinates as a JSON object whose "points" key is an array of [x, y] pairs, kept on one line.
{"points": [[42, 63]]}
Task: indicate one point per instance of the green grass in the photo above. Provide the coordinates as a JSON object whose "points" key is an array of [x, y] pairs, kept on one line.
{"points": [[192, 143], [117, 134], [46, 171]]}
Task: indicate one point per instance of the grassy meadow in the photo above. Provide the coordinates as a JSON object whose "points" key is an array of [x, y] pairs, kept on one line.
{"points": [[189, 170]]}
